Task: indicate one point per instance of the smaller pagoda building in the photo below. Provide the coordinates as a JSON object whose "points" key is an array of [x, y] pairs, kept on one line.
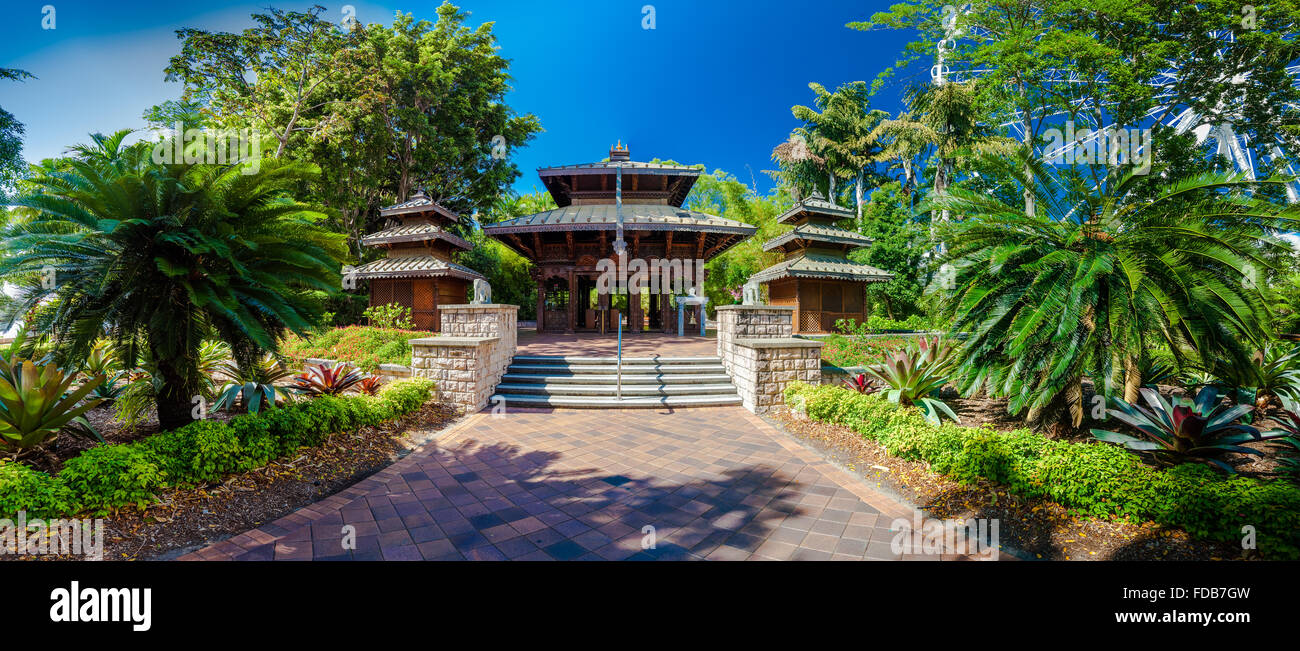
{"points": [[816, 277], [419, 271]]}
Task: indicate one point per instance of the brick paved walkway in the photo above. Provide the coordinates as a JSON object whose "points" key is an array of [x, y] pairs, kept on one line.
{"points": [[714, 483]]}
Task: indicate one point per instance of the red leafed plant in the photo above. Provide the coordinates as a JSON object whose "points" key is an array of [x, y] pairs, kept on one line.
{"points": [[861, 384], [322, 380], [370, 384]]}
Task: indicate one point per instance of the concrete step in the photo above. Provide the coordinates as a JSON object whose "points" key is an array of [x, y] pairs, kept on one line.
{"points": [[609, 402], [629, 378], [605, 369], [609, 389], [556, 359]]}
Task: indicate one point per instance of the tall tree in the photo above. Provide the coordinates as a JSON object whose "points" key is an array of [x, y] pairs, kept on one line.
{"points": [[162, 255], [1083, 286], [270, 76], [11, 139], [845, 132]]}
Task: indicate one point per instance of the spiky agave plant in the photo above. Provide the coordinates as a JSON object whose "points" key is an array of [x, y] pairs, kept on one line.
{"points": [[37, 402], [914, 375], [860, 383], [1184, 429], [1289, 434]]}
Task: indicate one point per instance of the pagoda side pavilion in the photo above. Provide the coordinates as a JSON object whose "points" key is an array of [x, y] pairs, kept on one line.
{"points": [[566, 244], [816, 276], [418, 271]]}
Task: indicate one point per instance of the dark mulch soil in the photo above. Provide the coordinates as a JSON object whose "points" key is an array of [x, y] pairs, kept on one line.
{"points": [[187, 519], [1032, 528]]}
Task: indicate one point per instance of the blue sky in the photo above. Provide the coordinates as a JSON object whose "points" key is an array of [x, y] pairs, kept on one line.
{"points": [[713, 83]]}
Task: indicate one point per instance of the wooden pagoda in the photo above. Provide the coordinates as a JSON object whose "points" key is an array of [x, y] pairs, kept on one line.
{"points": [[419, 271], [565, 244], [816, 276]]}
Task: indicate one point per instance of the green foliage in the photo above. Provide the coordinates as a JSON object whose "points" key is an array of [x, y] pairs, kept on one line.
{"points": [[110, 477], [508, 272], [38, 402], [252, 386], [164, 255], [23, 488], [859, 350], [387, 317], [12, 166], [1184, 428], [1095, 276], [1288, 433], [898, 245], [362, 346], [1096, 480]]}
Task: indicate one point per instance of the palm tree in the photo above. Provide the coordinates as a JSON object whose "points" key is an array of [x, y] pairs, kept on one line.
{"points": [[162, 256], [1098, 276], [844, 131]]}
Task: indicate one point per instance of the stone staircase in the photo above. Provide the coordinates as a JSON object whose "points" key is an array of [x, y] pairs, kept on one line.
{"points": [[590, 382]]}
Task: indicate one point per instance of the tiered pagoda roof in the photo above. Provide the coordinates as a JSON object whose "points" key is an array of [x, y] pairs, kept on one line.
{"points": [[652, 196], [419, 244], [816, 247]]}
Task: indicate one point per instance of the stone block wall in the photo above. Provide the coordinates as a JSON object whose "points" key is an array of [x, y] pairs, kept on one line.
{"points": [[751, 321], [459, 365], [469, 357], [763, 368], [760, 353]]}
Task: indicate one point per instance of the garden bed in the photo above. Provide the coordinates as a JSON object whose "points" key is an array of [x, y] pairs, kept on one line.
{"points": [[196, 499], [1035, 528], [1095, 481], [364, 346]]}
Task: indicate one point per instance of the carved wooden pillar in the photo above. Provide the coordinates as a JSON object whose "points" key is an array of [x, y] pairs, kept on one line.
{"points": [[573, 303]]}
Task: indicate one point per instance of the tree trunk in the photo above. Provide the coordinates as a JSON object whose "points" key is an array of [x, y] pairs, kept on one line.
{"points": [[857, 193], [175, 399]]}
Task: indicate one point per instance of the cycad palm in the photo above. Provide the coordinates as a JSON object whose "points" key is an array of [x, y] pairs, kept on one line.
{"points": [[164, 255], [1096, 277]]}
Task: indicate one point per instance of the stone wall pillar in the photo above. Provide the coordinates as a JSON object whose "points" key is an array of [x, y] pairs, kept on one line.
{"points": [[751, 321], [763, 368], [470, 355], [760, 353]]}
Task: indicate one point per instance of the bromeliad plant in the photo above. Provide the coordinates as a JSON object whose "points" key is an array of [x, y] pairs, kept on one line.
{"points": [[38, 402], [861, 384], [322, 380], [252, 386], [1289, 434], [370, 385], [914, 375], [1185, 429]]}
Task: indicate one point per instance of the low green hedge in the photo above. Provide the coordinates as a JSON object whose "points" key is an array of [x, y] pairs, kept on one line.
{"points": [[1095, 479], [109, 477]]}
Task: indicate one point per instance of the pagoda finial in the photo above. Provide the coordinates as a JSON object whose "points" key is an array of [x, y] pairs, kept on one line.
{"points": [[619, 152]]}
